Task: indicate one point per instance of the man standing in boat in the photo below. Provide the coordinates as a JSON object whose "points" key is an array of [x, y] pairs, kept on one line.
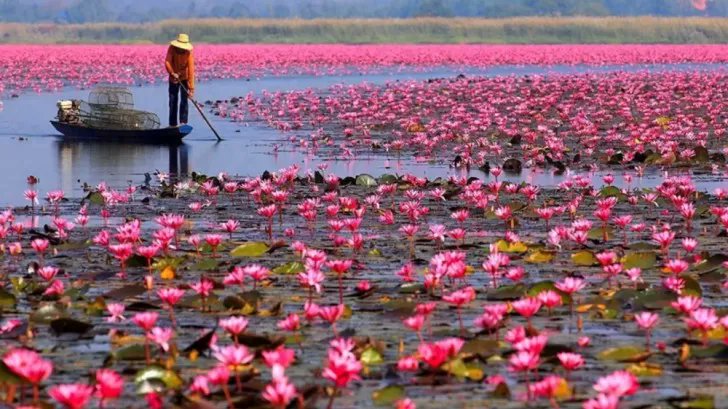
{"points": [[181, 68]]}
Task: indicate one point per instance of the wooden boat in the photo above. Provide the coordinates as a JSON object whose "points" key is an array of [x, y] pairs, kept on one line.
{"points": [[171, 135]]}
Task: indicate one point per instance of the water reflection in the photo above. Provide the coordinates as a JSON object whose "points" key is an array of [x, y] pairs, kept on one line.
{"points": [[112, 162]]}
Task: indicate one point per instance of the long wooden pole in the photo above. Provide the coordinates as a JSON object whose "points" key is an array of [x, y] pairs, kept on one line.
{"points": [[200, 111]]}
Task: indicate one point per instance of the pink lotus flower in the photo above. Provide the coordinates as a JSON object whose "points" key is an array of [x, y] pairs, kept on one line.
{"points": [[161, 337], [570, 361], [71, 396], [279, 392], [291, 323], [145, 320], [619, 383], [109, 384]]}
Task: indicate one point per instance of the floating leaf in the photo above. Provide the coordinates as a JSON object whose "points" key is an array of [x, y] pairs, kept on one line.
{"points": [[624, 354], [501, 391], [643, 245], [201, 344], [411, 288], [388, 179], [540, 256], [7, 300], [598, 233], [644, 369], [123, 293], [482, 348], [388, 395], [69, 325], [7, 376], [507, 292], [538, 288], [641, 259], [168, 377], [400, 307], [371, 356], [133, 352], [507, 247], [701, 155], [654, 299], [294, 267], [74, 245], [365, 180], [584, 258], [250, 249], [96, 198], [718, 351], [610, 191], [692, 287], [693, 402], [710, 263], [460, 369], [375, 253], [206, 264], [232, 302], [46, 313]]}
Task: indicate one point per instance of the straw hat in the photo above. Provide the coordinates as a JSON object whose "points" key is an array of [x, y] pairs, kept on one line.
{"points": [[183, 42]]}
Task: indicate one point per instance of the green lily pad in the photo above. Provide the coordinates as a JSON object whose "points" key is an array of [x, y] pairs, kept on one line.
{"points": [[411, 288], [539, 287], [206, 264], [170, 378], [96, 198], [250, 249], [133, 352], [388, 395], [710, 263], [371, 356], [692, 287], [388, 179], [7, 300], [584, 258], [610, 191], [628, 353], [294, 267], [46, 313], [507, 292], [654, 300], [69, 325], [7, 376], [459, 368], [642, 259], [513, 248], [598, 233], [365, 180], [540, 256], [482, 348], [693, 402]]}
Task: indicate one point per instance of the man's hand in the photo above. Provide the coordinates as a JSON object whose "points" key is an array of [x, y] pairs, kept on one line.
{"points": [[175, 76], [191, 93]]}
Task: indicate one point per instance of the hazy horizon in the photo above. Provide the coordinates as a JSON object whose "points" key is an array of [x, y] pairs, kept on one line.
{"points": [[84, 11]]}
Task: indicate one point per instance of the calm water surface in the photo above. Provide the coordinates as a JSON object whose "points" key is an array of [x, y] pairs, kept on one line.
{"points": [[30, 146]]}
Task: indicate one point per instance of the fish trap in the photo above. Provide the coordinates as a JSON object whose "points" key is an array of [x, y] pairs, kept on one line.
{"points": [[108, 107]]}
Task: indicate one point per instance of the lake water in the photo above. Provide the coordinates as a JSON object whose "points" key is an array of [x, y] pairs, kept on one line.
{"points": [[30, 146]]}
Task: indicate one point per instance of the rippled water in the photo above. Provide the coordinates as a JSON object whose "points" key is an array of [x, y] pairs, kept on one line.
{"points": [[30, 145]]}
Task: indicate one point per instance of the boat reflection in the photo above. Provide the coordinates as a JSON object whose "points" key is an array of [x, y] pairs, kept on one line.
{"points": [[118, 164]]}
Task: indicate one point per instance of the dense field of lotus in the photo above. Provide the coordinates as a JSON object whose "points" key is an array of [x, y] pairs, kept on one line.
{"points": [[48, 68], [293, 290], [624, 121]]}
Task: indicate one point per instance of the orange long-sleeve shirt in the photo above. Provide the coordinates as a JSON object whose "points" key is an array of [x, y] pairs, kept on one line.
{"points": [[183, 63]]}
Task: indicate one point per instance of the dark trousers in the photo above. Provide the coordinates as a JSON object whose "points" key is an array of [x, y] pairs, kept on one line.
{"points": [[175, 92]]}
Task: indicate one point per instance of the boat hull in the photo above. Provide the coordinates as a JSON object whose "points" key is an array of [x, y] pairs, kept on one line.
{"points": [[160, 135]]}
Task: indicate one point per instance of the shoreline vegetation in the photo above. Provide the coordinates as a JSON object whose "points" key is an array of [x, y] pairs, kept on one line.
{"points": [[520, 30]]}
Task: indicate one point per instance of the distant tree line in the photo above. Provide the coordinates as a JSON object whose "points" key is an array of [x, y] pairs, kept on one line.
{"points": [[86, 11]]}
